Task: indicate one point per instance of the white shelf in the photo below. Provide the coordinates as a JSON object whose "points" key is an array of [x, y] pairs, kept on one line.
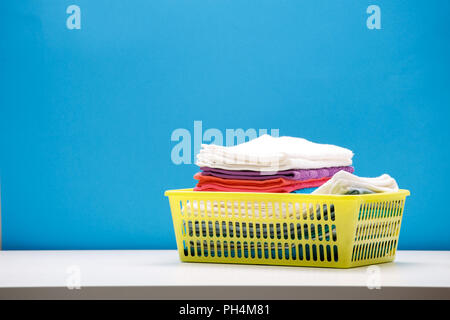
{"points": [[158, 274]]}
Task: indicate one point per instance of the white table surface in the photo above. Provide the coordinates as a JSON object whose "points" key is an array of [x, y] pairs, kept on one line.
{"points": [[138, 269]]}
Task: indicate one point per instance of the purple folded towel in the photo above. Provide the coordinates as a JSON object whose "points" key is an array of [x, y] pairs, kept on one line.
{"points": [[295, 174]]}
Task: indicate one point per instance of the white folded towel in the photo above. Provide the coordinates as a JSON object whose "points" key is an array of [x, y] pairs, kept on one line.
{"points": [[267, 153], [343, 182]]}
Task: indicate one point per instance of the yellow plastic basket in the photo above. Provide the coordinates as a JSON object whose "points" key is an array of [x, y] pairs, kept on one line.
{"points": [[338, 231]]}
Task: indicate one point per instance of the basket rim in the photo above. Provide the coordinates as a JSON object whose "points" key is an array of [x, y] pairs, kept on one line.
{"points": [[191, 192]]}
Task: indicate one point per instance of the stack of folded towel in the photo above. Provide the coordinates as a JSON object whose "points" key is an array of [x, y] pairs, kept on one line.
{"points": [[270, 164]]}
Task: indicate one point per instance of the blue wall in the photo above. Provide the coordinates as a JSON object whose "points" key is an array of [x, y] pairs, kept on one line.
{"points": [[87, 115]]}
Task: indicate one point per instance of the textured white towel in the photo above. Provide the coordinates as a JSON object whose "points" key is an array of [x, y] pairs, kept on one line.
{"points": [[343, 182], [267, 153]]}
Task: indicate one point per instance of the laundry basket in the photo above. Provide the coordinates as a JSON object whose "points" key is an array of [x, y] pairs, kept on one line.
{"points": [[338, 231]]}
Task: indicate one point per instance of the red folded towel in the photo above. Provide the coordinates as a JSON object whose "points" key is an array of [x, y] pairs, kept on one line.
{"points": [[280, 185]]}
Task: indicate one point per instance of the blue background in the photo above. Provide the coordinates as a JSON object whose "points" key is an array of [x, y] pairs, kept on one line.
{"points": [[87, 115]]}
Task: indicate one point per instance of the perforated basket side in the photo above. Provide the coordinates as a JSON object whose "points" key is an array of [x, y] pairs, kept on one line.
{"points": [[377, 230], [284, 229]]}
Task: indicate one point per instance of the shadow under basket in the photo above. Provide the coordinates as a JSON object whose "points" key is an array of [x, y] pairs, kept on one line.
{"points": [[337, 231]]}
